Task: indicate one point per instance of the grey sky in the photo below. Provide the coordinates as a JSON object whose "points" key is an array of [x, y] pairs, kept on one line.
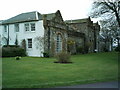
{"points": [[70, 9]]}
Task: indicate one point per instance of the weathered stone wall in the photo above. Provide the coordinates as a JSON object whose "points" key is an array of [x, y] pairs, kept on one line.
{"points": [[91, 32], [53, 27], [84, 34]]}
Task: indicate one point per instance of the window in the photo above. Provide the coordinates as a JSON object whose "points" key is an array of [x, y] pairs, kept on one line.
{"points": [[59, 43], [29, 43], [26, 27], [5, 28], [16, 27], [32, 26]]}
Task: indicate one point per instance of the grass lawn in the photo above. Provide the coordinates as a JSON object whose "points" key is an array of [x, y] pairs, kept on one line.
{"points": [[35, 72]]}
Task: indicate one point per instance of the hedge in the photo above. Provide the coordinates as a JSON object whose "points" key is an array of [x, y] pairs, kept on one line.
{"points": [[11, 46], [13, 51], [117, 49]]}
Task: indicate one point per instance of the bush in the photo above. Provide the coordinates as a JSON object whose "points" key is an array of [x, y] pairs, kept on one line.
{"points": [[13, 52], [117, 49], [80, 50], [11, 46], [63, 57], [17, 58], [45, 54]]}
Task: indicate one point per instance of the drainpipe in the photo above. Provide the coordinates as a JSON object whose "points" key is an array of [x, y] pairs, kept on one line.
{"points": [[48, 39], [8, 36]]}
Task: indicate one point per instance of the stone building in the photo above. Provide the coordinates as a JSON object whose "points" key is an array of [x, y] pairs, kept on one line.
{"points": [[86, 35], [83, 32], [55, 33], [58, 35]]}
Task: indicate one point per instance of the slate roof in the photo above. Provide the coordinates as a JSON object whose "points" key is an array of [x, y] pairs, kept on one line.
{"points": [[24, 17], [77, 20]]}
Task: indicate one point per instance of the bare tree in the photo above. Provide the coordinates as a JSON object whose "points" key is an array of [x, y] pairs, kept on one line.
{"points": [[109, 13], [107, 8], [110, 32], [39, 41], [23, 44]]}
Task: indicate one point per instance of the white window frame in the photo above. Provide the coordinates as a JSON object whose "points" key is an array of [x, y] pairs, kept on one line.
{"points": [[16, 27], [58, 43], [27, 27], [32, 28], [29, 43], [5, 28]]}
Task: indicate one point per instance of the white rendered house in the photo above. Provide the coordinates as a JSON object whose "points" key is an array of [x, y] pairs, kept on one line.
{"points": [[26, 26], [0, 33]]}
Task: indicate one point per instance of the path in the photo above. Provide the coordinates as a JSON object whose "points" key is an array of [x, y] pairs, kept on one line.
{"points": [[113, 84]]}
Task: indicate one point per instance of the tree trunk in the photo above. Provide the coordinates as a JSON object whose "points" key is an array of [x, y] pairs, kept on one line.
{"points": [[118, 40], [117, 18], [111, 44]]}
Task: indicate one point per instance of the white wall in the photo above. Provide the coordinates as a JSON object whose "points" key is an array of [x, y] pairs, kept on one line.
{"points": [[0, 35], [3, 35], [22, 34]]}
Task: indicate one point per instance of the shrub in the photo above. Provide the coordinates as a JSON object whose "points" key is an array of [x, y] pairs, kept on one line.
{"points": [[80, 49], [17, 58], [117, 49], [86, 49], [45, 54], [63, 57], [12, 52], [87, 46], [105, 49], [11, 46]]}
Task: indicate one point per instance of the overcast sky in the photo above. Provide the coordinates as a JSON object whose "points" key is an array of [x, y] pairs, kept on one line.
{"points": [[70, 9]]}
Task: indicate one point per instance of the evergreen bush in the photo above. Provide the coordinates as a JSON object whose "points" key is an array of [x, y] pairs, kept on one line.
{"points": [[117, 49], [11, 51], [80, 49]]}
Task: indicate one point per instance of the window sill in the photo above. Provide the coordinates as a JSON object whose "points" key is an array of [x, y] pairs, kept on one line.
{"points": [[29, 31], [29, 49]]}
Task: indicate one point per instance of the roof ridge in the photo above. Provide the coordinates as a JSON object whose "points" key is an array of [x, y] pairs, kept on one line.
{"points": [[28, 12], [48, 14], [77, 19]]}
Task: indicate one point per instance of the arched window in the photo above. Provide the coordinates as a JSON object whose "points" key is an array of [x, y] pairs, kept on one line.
{"points": [[58, 43]]}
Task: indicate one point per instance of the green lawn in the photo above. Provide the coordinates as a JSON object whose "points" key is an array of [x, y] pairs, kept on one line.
{"points": [[35, 72]]}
